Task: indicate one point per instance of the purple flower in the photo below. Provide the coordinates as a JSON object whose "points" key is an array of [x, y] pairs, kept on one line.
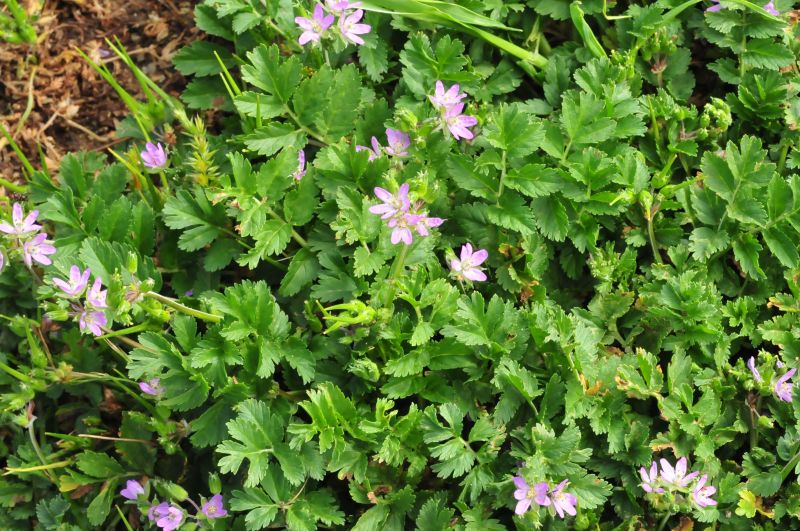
{"points": [[525, 495], [20, 224], [715, 7], [779, 364], [564, 502], [92, 321], [77, 281], [2, 261], [37, 249], [340, 6], [649, 479], [398, 143], [96, 295], [132, 490], [458, 123], [421, 223], [151, 387], [783, 387], [392, 204], [467, 267], [769, 7], [702, 494], [166, 516], [154, 155], [676, 476], [401, 228], [301, 166], [375, 152], [213, 508], [348, 25], [446, 98], [314, 27], [751, 363]]}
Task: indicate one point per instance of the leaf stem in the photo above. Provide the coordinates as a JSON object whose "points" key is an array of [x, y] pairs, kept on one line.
{"points": [[651, 233], [295, 235], [175, 305], [503, 171]]}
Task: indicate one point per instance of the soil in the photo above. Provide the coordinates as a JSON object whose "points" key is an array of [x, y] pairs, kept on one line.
{"points": [[50, 97]]}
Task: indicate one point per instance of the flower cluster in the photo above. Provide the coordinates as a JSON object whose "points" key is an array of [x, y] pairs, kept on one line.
{"points": [[782, 386], [448, 103], [397, 145], [404, 218], [90, 312], [349, 25], [169, 516], [541, 493], [23, 236], [674, 480], [769, 7], [154, 156]]}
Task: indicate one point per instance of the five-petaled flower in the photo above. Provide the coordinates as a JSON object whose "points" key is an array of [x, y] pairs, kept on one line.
{"points": [[564, 502], [375, 152], [351, 29], [213, 508], [315, 26], [525, 495], [20, 223], [97, 295], [398, 143], [458, 123], [702, 493], [154, 156], [392, 204], [37, 249], [677, 475], [467, 266], [783, 387], [341, 6], [650, 478], [77, 281], [444, 99], [133, 489], [152, 387], [166, 516], [92, 321]]}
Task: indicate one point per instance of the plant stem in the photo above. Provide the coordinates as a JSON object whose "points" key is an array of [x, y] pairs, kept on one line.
{"points": [[16, 188], [175, 305], [295, 235], [663, 521], [652, 235], [38, 450], [502, 176], [791, 464]]}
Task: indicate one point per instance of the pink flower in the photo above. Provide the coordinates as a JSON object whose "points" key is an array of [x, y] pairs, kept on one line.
{"points": [[340, 6], [213, 508], [716, 7], [398, 143], [702, 494], [458, 123], [77, 281], [348, 25], [467, 267], [92, 321], [2, 261], [314, 27], [783, 387], [301, 166], [154, 156], [151, 387], [375, 152], [525, 495], [422, 223], [446, 99], [167, 517], [769, 7], [132, 490], [401, 228], [392, 204], [20, 224], [649, 479], [564, 502], [96, 295], [37, 249], [676, 476]]}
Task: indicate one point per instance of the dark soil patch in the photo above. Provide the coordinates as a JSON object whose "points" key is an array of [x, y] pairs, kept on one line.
{"points": [[71, 107]]}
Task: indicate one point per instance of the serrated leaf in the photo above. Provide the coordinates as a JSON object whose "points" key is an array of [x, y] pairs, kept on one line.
{"points": [[198, 59]]}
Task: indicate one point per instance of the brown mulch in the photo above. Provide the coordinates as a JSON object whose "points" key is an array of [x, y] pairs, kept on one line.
{"points": [[73, 108]]}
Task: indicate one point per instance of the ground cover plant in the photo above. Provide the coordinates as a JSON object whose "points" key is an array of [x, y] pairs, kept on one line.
{"points": [[409, 264]]}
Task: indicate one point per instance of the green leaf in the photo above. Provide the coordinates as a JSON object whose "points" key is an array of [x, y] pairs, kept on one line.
{"points": [[764, 53], [50, 512], [203, 221], [100, 506], [99, 465], [581, 117], [269, 72], [512, 130], [511, 212], [535, 180], [303, 269], [273, 137], [198, 59], [746, 250], [551, 217], [271, 239]]}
